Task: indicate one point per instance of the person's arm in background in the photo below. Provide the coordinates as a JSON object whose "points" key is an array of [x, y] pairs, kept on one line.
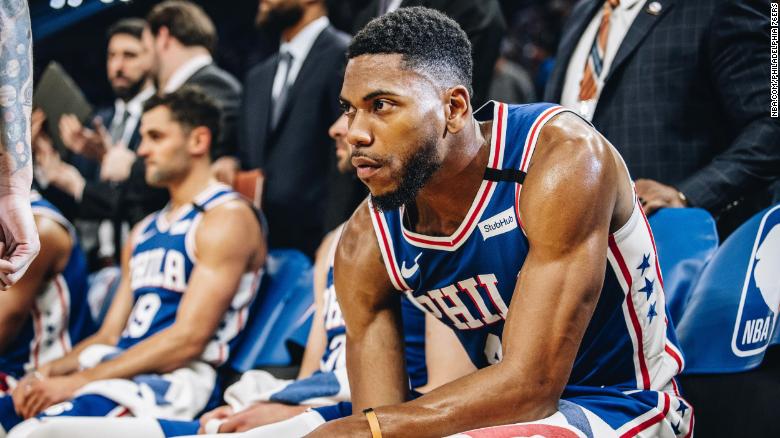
{"points": [[18, 237], [15, 304], [316, 343], [445, 357], [738, 55]]}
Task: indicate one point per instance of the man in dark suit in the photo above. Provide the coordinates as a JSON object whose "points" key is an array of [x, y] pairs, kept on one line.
{"points": [[682, 90], [103, 153], [183, 38], [289, 102], [482, 20]]}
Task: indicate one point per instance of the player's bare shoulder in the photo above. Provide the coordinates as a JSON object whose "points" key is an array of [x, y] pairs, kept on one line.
{"points": [[358, 258], [233, 224]]}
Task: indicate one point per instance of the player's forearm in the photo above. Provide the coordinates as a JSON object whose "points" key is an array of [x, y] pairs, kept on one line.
{"points": [[69, 363], [490, 396], [375, 364], [164, 352], [15, 97]]}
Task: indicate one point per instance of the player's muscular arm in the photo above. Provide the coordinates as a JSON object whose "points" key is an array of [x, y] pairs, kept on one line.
{"points": [[567, 205], [371, 307], [16, 302], [229, 244]]}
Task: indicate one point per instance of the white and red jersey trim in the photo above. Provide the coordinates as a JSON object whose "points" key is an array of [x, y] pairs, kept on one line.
{"points": [[656, 359]]}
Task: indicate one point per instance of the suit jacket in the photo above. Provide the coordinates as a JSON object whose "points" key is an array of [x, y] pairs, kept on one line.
{"points": [[133, 199], [687, 99], [296, 156], [226, 91], [482, 21]]}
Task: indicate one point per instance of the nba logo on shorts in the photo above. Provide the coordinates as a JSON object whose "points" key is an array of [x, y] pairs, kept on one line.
{"points": [[758, 307]]}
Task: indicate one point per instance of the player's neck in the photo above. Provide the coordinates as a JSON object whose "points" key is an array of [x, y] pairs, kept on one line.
{"points": [[443, 203], [183, 192]]}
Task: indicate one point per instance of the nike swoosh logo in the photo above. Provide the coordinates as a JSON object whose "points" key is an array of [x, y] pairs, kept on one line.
{"points": [[409, 272]]}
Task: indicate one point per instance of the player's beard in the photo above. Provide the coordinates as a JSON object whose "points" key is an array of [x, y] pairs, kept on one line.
{"points": [[130, 91], [418, 170], [278, 19]]}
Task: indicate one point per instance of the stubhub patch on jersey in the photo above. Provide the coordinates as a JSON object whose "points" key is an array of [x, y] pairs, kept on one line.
{"points": [[758, 307]]}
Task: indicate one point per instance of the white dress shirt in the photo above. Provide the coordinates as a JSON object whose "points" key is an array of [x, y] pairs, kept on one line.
{"points": [[185, 71], [621, 20], [299, 48], [134, 107]]}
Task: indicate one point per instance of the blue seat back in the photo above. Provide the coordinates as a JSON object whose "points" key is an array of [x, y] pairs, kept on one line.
{"points": [[686, 239], [281, 306], [730, 318]]}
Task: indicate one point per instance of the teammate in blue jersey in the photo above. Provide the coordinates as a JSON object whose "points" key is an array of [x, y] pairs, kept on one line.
{"points": [[46, 312], [517, 226], [262, 406], [190, 272]]}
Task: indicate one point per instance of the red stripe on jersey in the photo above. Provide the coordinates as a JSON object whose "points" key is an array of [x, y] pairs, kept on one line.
{"points": [[38, 332], [631, 311], [386, 244], [529, 140], [675, 356], [465, 230], [65, 313], [652, 421]]}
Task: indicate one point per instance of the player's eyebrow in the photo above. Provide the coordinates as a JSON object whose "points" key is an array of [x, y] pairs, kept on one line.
{"points": [[378, 93], [369, 96]]}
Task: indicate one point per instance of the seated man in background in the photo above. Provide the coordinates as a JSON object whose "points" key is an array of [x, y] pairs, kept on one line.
{"points": [[46, 312], [189, 273], [280, 408]]}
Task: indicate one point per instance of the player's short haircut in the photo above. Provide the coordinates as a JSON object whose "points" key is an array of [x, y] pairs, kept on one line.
{"points": [[128, 26], [191, 108], [185, 21], [428, 41]]}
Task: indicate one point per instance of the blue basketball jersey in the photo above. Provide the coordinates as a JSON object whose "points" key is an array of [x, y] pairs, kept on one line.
{"points": [[163, 257], [335, 329], [60, 316], [467, 279]]}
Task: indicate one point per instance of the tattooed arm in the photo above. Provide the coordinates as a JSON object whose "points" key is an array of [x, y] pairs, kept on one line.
{"points": [[18, 235]]}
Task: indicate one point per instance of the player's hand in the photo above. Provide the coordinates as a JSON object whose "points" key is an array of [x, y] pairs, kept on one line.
{"points": [[41, 394], [225, 169], [219, 413], [19, 242], [82, 140], [655, 195], [259, 415], [51, 170], [117, 164]]}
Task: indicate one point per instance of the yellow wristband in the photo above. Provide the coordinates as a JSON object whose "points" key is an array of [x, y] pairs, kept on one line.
{"points": [[373, 422]]}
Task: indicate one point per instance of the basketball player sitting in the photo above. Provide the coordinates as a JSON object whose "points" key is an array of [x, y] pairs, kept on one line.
{"points": [[264, 407], [46, 312], [518, 226], [189, 274]]}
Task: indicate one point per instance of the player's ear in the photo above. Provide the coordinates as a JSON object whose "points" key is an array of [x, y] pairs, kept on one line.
{"points": [[456, 108], [200, 140]]}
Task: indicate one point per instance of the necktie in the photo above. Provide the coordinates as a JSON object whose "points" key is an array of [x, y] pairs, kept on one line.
{"points": [[595, 62], [285, 62], [118, 126]]}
